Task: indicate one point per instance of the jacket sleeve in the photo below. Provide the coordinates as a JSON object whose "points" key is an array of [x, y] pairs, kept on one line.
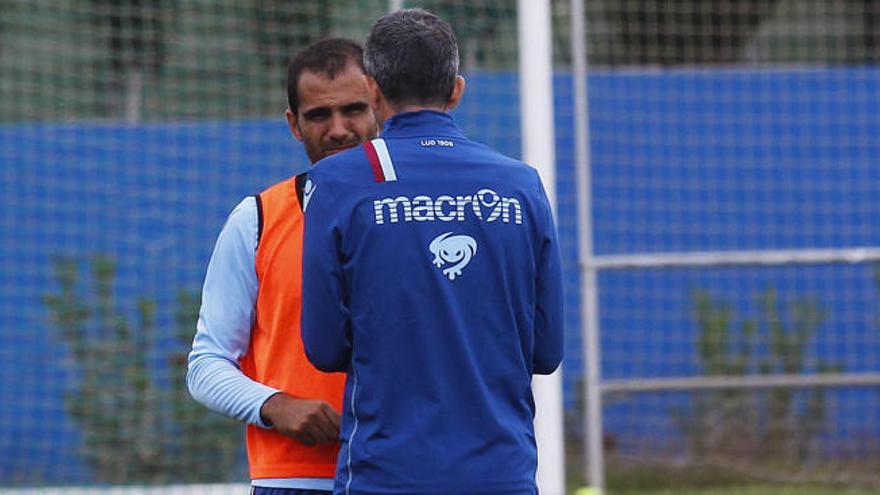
{"points": [[549, 334], [326, 320]]}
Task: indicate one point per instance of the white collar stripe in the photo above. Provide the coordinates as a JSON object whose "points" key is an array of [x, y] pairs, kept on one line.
{"points": [[385, 159]]}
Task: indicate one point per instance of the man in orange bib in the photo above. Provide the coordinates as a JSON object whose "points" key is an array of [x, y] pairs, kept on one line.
{"points": [[247, 359]]}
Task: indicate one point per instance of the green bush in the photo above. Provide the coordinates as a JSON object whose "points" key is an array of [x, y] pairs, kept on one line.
{"points": [[774, 425], [135, 429]]}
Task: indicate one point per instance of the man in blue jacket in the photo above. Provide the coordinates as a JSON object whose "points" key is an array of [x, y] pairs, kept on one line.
{"points": [[431, 274]]}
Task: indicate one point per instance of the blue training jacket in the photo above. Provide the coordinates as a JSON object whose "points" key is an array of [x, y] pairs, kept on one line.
{"points": [[431, 274]]}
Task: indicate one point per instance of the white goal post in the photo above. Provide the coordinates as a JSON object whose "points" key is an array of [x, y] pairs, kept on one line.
{"points": [[538, 149]]}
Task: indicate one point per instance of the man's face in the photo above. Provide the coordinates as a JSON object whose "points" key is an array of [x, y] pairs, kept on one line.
{"points": [[334, 114]]}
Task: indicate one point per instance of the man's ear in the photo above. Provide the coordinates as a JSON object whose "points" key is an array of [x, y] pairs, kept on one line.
{"points": [[292, 123], [457, 92], [375, 94], [377, 101]]}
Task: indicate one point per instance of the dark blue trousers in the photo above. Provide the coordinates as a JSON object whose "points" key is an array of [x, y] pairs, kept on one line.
{"points": [[259, 490]]}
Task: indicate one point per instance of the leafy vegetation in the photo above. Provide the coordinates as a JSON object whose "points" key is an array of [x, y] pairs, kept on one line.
{"points": [[135, 429], [776, 425]]}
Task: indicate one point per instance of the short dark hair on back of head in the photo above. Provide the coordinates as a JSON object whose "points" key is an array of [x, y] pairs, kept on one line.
{"points": [[327, 57], [413, 56]]}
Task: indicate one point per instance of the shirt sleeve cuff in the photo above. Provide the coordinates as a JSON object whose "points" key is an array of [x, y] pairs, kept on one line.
{"points": [[262, 397]]}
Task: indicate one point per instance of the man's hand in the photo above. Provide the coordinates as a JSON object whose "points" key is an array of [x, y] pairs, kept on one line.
{"points": [[309, 421]]}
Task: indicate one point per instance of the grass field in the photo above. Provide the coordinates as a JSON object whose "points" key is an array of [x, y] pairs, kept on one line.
{"points": [[751, 490], [658, 480]]}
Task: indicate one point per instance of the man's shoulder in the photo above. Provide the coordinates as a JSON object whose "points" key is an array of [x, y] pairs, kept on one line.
{"points": [[349, 166], [347, 158], [504, 165], [477, 149], [280, 185], [244, 209], [243, 221]]}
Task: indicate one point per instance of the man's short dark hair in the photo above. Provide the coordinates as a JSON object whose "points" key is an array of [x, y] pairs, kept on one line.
{"points": [[413, 56], [327, 57]]}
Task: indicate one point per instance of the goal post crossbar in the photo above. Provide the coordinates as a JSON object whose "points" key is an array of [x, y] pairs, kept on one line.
{"points": [[740, 382], [732, 258]]}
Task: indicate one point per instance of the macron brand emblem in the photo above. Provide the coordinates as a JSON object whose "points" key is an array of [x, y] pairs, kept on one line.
{"points": [[308, 189], [456, 250], [485, 205]]}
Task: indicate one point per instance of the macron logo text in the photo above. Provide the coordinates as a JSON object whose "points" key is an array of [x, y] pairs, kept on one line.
{"points": [[485, 205]]}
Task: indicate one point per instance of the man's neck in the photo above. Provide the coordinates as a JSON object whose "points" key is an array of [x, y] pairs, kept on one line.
{"points": [[415, 108], [391, 111]]}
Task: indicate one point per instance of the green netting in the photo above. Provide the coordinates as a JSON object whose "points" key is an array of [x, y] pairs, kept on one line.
{"points": [[130, 128]]}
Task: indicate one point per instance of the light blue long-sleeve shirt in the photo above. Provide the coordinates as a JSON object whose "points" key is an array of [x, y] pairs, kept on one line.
{"points": [[226, 317]]}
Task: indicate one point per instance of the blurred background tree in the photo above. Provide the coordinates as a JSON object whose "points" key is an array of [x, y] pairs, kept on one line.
{"points": [[137, 59], [283, 28], [134, 34], [133, 429], [773, 425]]}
